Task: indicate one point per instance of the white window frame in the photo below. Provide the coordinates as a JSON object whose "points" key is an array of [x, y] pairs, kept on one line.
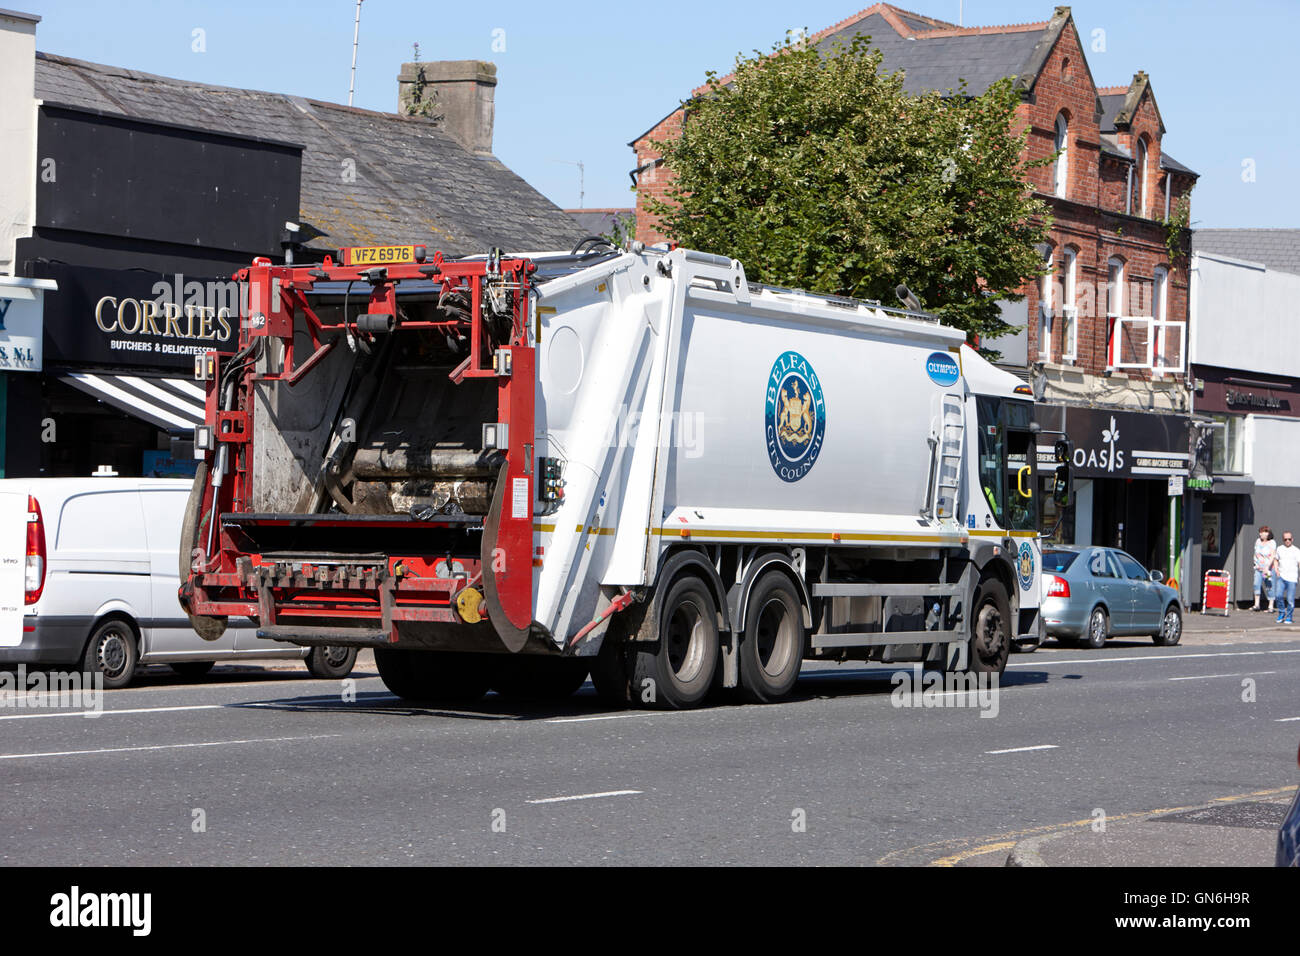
{"points": [[1045, 314], [1061, 168], [1156, 332], [1114, 306], [1069, 311]]}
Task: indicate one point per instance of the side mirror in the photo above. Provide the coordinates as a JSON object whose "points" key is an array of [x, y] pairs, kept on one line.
{"points": [[1158, 577], [1061, 485]]}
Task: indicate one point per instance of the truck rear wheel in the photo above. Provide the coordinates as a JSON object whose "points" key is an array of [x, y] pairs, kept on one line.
{"points": [[208, 628], [990, 641], [676, 671], [432, 677], [538, 678], [771, 651]]}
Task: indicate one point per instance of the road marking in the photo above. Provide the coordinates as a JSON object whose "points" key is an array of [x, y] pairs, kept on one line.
{"points": [[978, 851], [1018, 750], [579, 720], [1150, 657], [1212, 676], [104, 713], [1286, 720], [122, 750], [586, 796]]}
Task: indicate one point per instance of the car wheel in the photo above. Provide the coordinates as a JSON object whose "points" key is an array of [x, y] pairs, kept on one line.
{"points": [[990, 642], [1098, 628], [332, 662], [192, 669], [771, 651], [1171, 627], [112, 651], [676, 670]]}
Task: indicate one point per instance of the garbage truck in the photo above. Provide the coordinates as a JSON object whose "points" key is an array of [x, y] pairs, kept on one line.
{"points": [[511, 472]]}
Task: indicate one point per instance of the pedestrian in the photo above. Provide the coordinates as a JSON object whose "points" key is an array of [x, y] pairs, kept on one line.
{"points": [[1265, 549], [1287, 562]]}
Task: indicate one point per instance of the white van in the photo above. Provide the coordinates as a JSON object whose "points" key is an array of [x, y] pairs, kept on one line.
{"points": [[95, 587]]}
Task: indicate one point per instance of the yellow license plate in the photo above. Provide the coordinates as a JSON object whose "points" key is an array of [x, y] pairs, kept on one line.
{"points": [[379, 255]]}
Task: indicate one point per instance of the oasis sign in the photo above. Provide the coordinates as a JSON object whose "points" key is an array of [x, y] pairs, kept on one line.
{"points": [[1115, 444]]}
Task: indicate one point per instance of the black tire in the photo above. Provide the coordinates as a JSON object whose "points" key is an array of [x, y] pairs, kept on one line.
{"points": [[539, 679], [990, 642], [208, 628], [113, 650], [192, 669], [432, 677], [611, 669], [772, 647], [675, 671], [1098, 628], [332, 662], [1171, 627]]}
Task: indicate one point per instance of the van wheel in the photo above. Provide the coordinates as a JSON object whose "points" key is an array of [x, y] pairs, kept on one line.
{"points": [[1098, 628], [331, 663], [990, 644], [192, 669], [539, 678], [676, 671], [112, 652], [437, 677], [771, 651], [208, 628]]}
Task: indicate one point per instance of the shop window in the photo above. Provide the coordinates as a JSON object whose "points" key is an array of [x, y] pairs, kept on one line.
{"points": [[1229, 446]]}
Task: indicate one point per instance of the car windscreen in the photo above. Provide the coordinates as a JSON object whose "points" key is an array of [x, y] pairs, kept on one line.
{"points": [[1058, 560]]}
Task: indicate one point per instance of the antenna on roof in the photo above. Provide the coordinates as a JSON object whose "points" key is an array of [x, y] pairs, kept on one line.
{"points": [[582, 179], [356, 32]]}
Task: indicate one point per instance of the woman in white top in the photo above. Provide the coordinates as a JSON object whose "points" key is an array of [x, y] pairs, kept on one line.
{"points": [[1265, 549]]}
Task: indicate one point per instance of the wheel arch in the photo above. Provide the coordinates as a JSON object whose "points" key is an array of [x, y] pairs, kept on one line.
{"points": [[738, 596], [115, 613], [680, 561]]}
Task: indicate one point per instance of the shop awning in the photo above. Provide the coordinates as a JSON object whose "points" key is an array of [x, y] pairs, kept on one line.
{"points": [[173, 404]]}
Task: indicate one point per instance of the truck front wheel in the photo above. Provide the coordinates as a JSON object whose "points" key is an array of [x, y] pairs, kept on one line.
{"points": [[771, 651], [990, 641], [435, 677], [676, 671]]}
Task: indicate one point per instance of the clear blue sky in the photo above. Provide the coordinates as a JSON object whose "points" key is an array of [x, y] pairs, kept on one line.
{"points": [[579, 81]]}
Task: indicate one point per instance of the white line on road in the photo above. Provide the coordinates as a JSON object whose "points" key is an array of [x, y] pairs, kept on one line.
{"points": [[1286, 720], [580, 720], [102, 713], [1041, 661], [1212, 676], [586, 796], [1017, 750], [121, 750]]}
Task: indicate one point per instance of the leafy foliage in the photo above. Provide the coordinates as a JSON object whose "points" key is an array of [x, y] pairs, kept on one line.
{"points": [[817, 171]]}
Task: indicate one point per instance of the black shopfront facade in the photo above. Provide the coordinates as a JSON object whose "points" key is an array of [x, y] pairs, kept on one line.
{"points": [[141, 224], [1122, 465]]}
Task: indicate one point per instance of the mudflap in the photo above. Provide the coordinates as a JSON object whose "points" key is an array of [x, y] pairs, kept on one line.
{"points": [[510, 590]]}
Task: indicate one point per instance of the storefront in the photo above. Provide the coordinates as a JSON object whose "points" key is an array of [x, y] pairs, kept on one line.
{"points": [[22, 320], [1250, 423], [1122, 465], [116, 392]]}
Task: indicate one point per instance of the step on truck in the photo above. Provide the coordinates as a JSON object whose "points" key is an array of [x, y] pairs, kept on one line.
{"points": [[511, 472]]}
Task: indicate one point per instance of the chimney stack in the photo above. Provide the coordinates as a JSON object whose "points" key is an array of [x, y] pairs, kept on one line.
{"points": [[461, 92], [17, 130]]}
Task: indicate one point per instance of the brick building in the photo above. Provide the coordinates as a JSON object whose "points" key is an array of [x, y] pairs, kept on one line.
{"points": [[1102, 336]]}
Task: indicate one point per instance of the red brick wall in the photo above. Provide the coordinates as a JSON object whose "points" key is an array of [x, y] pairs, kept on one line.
{"points": [[653, 182]]}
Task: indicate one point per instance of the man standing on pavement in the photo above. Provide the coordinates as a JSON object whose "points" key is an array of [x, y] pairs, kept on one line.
{"points": [[1287, 562], [1265, 549]]}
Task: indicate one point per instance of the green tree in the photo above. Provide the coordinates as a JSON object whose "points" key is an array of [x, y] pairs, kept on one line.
{"points": [[817, 171]]}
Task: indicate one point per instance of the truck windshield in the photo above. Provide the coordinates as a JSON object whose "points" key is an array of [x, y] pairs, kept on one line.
{"points": [[1007, 453]]}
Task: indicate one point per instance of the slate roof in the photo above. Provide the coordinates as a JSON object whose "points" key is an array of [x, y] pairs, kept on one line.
{"points": [[1110, 107], [1276, 248], [599, 222], [414, 182], [942, 61]]}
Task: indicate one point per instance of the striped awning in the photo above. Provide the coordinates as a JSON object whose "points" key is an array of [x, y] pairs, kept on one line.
{"points": [[173, 404]]}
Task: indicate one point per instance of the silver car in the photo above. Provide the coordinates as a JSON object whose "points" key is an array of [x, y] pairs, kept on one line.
{"points": [[1092, 593]]}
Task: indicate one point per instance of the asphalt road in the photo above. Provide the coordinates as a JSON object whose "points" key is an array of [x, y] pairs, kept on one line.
{"points": [[280, 769]]}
